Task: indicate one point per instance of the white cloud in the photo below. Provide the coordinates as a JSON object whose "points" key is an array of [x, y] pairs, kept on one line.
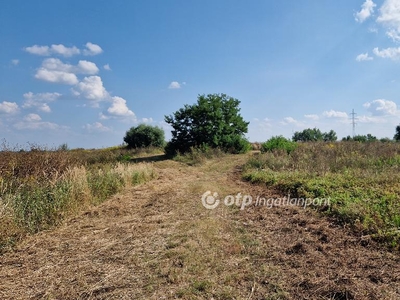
{"points": [[40, 100], [174, 85], [53, 49], [60, 49], [15, 62], [107, 67], [92, 88], [291, 121], [334, 114], [37, 125], [364, 57], [9, 107], [64, 51], [87, 67], [371, 119], [92, 49], [146, 120], [382, 107], [56, 76], [83, 67], [392, 53], [32, 118], [367, 9], [390, 17], [96, 127], [312, 117], [119, 108], [38, 50]]}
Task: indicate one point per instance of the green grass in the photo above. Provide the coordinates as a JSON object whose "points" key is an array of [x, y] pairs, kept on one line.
{"points": [[362, 181]]}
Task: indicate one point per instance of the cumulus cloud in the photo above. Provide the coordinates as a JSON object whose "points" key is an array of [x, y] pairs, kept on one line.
{"points": [[367, 9], [96, 127], [335, 114], [9, 107], [64, 51], [92, 49], [364, 57], [382, 107], [32, 118], [15, 62], [291, 121], [119, 108], [174, 85], [83, 66], [40, 100], [92, 88], [38, 50], [107, 67], [391, 53], [390, 18], [53, 49], [56, 76], [87, 67]]}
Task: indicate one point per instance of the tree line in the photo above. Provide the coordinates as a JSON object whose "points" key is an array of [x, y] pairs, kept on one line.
{"points": [[215, 122]]}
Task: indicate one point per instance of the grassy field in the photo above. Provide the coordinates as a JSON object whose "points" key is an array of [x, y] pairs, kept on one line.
{"points": [[362, 181], [39, 188]]}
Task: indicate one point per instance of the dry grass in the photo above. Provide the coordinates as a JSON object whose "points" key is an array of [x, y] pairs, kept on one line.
{"points": [[40, 188], [157, 241]]}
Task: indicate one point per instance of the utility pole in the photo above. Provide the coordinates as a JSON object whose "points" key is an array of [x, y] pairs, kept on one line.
{"points": [[353, 121]]}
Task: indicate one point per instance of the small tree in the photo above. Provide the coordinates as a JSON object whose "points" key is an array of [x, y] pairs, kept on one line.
{"points": [[329, 136], [144, 136], [214, 121], [397, 135]]}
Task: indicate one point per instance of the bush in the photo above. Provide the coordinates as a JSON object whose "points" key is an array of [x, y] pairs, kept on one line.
{"points": [[145, 136], [278, 142]]}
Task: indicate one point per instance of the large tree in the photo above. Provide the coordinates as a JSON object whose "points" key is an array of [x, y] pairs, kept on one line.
{"points": [[214, 121]]}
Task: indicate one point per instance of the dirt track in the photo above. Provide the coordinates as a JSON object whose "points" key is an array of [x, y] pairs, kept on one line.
{"points": [[157, 241]]}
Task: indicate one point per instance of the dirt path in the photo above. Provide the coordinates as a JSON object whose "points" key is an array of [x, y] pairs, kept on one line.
{"points": [[157, 241]]}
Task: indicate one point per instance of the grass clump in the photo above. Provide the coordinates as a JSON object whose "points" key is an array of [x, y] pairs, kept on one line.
{"points": [[362, 181]]}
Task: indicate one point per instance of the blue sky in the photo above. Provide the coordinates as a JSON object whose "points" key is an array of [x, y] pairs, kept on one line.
{"points": [[84, 72]]}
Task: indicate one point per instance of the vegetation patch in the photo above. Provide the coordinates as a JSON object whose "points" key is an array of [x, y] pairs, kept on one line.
{"points": [[39, 188], [362, 181]]}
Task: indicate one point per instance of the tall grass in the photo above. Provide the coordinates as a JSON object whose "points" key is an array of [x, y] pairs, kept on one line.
{"points": [[362, 181], [40, 188]]}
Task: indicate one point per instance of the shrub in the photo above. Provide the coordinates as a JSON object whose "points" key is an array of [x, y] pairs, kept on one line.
{"points": [[278, 142], [145, 136]]}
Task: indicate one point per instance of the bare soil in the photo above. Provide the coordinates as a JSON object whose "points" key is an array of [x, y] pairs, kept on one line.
{"points": [[157, 241]]}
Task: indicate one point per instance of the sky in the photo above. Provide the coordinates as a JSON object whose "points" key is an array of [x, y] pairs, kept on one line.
{"points": [[84, 72]]}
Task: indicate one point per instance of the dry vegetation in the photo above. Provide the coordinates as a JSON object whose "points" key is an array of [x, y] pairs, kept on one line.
{"points": [[39, 188], [362, 181], [157, 241]]}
